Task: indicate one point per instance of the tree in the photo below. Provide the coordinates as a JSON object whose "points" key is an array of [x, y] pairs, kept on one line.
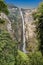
{"points": [[3, 7]]}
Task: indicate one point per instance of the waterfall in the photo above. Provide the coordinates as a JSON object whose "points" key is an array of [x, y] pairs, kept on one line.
{"points": [[23, 24]]}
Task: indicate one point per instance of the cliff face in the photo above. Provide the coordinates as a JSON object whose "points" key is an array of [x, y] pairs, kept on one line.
{"points": [[15, 17], [30, 30], [16, 23], [23, 33]]}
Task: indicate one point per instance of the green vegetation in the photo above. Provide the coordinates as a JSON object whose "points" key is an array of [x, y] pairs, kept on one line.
{"points": [[7, 45], [9, 55], [38, 17], [35, 58], [22, 59], [1, 21], [7, 49], [3, 7]]}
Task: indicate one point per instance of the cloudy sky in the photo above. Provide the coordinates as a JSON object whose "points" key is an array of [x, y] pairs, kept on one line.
{"points": [[24, 3]]}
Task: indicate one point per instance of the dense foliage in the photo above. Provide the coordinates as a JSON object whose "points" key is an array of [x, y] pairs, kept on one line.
{"points": [[9, 55], [7, 49], [3, 7], [36, 58], [22, 59], [38, 17]]}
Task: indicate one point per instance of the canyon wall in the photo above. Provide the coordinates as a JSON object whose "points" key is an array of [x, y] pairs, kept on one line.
{"points": [[22, 28]]}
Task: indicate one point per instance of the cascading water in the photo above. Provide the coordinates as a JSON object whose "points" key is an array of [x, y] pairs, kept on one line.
{"points": [[24, 45]]}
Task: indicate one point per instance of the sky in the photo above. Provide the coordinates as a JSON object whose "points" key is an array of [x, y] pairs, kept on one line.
{"points": [[24, 3]]}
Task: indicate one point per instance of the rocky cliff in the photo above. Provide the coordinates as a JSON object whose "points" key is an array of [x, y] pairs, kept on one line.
{"points": [[30, 30]]}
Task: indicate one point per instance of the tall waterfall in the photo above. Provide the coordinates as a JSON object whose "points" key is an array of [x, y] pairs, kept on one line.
{"points": [[23, 24]]}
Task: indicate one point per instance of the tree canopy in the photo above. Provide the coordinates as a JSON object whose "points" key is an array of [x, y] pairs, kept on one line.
{"points": [[3, 7]]}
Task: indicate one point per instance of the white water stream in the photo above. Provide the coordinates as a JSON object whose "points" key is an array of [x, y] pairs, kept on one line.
{"points": [[23, 24]]}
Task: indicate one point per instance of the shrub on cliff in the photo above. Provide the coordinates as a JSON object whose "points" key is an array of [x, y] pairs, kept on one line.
{"points": [[36, 58], [2, 21]]}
